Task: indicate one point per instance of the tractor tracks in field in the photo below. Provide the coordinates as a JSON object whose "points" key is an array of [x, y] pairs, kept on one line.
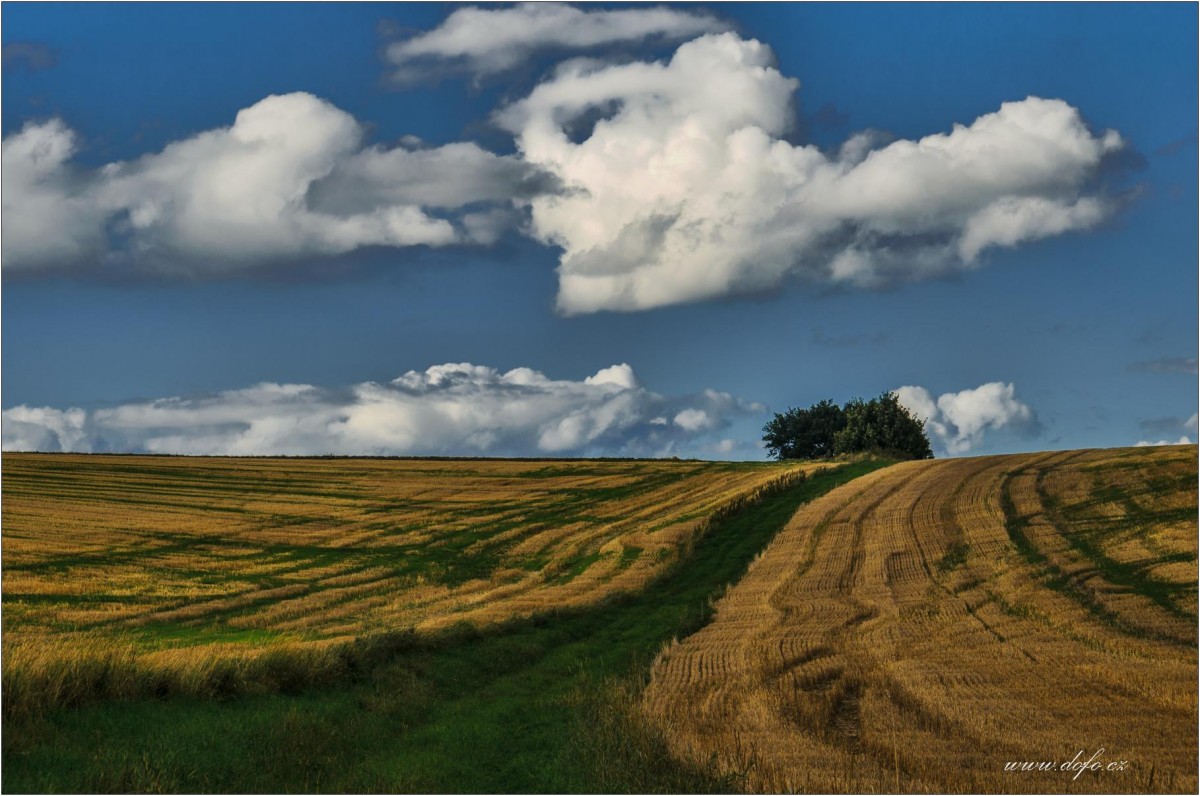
{"points": [[911, 617]]}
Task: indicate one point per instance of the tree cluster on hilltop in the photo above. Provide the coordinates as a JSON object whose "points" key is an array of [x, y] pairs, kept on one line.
{"points": [[825, 429]]}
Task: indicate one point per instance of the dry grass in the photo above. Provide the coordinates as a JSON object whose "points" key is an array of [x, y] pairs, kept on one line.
{"points": [[126, 574], [919, 627]]}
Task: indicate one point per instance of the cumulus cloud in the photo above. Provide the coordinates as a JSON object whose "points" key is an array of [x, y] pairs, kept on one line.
{"points": [[44, 429], [48, 214], [660, 182], [685, 187], [289, 178], [481, 41], [957, 421], [451, 409], [693, 419]]}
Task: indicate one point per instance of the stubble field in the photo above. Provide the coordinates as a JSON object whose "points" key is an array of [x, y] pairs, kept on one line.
{"points": [[359, 625], [181, 572], [923, 626], [141, 694]]}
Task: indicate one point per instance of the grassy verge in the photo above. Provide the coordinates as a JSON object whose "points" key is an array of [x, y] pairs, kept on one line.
{"points": [[544, 705]]}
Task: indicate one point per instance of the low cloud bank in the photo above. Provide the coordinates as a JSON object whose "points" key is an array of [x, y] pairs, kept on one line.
{"points": [[451, 409]]}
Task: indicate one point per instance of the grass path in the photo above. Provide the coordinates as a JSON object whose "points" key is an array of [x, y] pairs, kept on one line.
{"points": [[535, 707]]}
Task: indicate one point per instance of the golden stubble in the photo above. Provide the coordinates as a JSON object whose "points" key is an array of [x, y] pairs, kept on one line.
{"points": [[921, 626], [182, 563]]}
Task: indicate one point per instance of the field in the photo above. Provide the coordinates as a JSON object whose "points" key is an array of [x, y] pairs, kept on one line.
{"points": [[542, 704], [359, 625], [183, 568], [924, 625]]}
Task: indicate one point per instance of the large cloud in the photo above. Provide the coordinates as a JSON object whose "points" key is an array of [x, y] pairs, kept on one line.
{"points": [[957, 421], [481, 41], [452, 409], [289, 178], [685, 188], [661, 182]]}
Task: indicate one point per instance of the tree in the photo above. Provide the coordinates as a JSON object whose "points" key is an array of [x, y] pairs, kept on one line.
{"points": [[804, 433], [881, 424]]}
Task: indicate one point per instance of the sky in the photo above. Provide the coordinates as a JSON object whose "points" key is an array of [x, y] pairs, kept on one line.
{"points": [[594, 230]]}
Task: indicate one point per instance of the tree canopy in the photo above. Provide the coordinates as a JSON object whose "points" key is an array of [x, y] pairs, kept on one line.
{"points": [[880, 424], [804, 433]]}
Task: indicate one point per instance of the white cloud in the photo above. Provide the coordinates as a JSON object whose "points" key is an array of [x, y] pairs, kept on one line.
{"points": [[919, 402], [661, 182], [45, 218], [481, 41], [451, 409], [1181, 441], [686, 189], [957, 421], [45, 429], [620, 375], [288, 179], [1013, 220], [693, 419]]}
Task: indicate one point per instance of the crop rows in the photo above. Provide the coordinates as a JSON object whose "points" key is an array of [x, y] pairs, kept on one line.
{"points": [[182, 562], [921, 626]]}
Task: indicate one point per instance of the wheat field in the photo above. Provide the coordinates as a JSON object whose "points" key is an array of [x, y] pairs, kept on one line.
{"points": [[920, 627], [177, 566]]}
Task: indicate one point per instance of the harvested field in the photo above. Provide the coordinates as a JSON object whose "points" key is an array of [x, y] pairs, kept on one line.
{"points": [[922, 626], [180, 563]]}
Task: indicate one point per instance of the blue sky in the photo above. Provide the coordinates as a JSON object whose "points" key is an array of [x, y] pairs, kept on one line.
{"points": [[1032, 283]]}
